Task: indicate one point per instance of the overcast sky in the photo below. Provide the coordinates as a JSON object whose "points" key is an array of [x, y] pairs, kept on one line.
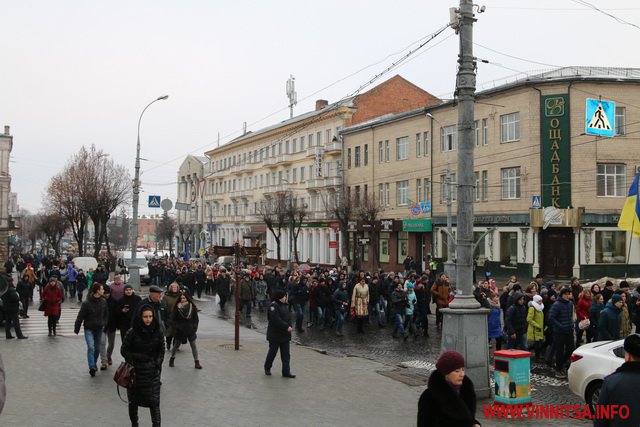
{"points": [[76, 73]]}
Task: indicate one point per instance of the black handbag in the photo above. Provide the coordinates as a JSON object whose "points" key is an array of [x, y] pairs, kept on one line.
{"points": [[43, 304]]}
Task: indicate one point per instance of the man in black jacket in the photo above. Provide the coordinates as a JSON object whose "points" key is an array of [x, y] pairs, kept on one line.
{"points": [[622, 388], [516, 323], [93, 313], [11, 305], [279, 334]]}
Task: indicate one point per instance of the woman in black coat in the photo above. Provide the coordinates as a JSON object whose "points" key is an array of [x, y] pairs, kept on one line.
{"points": [[449, 400], [184, 318], [143, 347]]}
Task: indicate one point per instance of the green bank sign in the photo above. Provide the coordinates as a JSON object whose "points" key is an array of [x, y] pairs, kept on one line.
{"points": [[416, 225], [555, 151]]}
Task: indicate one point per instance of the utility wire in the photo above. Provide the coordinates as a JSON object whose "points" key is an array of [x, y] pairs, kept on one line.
{"points": [[594, 7]]}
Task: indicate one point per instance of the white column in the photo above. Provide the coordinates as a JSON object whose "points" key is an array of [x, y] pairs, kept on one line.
{"points": [[332, 253], [303, 247], [576, 251], [321, 257]]}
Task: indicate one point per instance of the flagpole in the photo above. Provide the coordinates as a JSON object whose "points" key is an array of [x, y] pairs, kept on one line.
{"points": [[630, 242]]}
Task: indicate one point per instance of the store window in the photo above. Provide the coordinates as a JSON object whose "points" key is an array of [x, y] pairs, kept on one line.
{"points": [[403, 246], [365, 248], [509, 248], [610, 247], [384, 247], [479, 253]]}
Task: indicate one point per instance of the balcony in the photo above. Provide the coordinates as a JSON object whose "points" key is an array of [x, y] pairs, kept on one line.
{"points": [[281, 159], [333, 181], [314, 151], [333, 147], [243, 194], [274, 189], [315, 183], [218, 196], [241, 168]]}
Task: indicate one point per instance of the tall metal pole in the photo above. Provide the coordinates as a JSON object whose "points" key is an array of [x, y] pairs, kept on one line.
{"points": [[465, 88], [134, 268], [236, 252]]}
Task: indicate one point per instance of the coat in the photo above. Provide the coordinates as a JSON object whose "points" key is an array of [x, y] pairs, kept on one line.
{"points": [[609, 323], [493, 321], [621, 388], [93, 313], [515, 321], [246, 289], [11, 302], [124, 316], [360, 300], [440, 406], [441, 293], [561, 317], [185, 324], [52, 295], [279, 323], [535, 330], [143, 347]]}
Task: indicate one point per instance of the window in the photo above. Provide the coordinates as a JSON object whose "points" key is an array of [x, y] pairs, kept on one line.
{"points": [[448, 188], [476, 185], [328, 136], [610, 180], [418, 146], [310, 140], [318, 138], [302, 148], [261, 180], [366, 154], [273, 151], [384, 247], [476, 134], [402, 148], [286, 147], [329, 169], [380, 152], [479, 252], [509, 248], [302, 174], [485, 185], [381, 194], [621, 121], [402, 193], [425, 142], [387, 151], [485, 131], [357, 157], [294, 147], [419, 190], [348, 158], [610, 247], [366, 191], [448, 138], [403, 245], [357, 194], [427, 190], [387, 193], [511, 183], [279, 148], [510, 127]]}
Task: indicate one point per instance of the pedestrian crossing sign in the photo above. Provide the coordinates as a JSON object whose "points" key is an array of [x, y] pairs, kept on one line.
{"points": [[536, 202], [600, 118], [154, 201]]}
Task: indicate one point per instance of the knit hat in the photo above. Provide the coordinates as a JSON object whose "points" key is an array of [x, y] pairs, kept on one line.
{"points": [[537, 303], [278, 293], [127, 286], [410, 285], [615, 298], [106, 289], [632, 345], [449, 361]]}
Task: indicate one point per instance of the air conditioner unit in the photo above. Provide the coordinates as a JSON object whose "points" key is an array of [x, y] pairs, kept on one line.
{"points": [[637, 169]]}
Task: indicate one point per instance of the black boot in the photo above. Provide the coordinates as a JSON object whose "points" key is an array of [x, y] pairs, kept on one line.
{"points": [[155, 416], [133, 414]]}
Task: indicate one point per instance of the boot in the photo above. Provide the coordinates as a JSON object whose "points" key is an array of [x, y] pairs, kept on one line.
{"points": [[171, 365], [198, 365], [155, 416], [133, 414]]}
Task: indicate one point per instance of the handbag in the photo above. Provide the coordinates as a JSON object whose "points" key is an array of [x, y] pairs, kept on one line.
{"points": [[125, 375], [352, 312], [43, 304], [584, 324]]}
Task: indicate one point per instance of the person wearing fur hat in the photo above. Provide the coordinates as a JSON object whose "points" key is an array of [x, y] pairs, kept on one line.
{"points": [[535, 329], [450, 399]]}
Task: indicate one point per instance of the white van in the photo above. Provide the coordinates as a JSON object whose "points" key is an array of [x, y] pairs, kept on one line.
{"points": [[124, 257], [85, 263]]}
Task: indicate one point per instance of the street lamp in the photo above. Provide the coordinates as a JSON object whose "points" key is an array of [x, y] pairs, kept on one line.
{"points": [[134, 273]]}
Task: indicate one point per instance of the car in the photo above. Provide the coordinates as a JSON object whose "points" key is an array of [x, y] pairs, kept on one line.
{"points": [[85, 263], [124, 257], [590, 364]]}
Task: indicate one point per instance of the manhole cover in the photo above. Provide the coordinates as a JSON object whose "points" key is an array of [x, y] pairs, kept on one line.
{"points": [[406, 377], [229, 346]]}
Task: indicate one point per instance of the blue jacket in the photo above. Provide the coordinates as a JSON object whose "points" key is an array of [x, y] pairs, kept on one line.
{"points": [[561, 316], [72, 274], [412, 300], [609, 323], [495, 328]]}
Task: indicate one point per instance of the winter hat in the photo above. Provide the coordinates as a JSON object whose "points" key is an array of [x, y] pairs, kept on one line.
{"points": [[107, 289], [154, 289], [615, 298], [278, 293], [128, 286], [517, 295], [410, 285], [632, 345], [537, 303], [449, 361]]}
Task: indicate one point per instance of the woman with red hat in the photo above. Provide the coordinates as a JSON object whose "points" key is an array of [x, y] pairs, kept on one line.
{"points": [[450, 399]]}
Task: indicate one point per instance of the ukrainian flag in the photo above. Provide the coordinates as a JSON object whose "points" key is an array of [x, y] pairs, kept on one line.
{"points": [[630, 216]]}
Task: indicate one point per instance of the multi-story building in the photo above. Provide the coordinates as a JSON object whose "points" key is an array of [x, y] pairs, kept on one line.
{"points": [[6, 222], [147, 237], [190, 203], [301, 157], [547, 195]]}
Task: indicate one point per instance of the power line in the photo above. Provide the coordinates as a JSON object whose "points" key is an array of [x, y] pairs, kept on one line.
{"points": [[619, 20]]}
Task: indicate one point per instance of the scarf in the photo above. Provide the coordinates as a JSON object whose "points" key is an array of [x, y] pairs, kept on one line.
{"points": [[185, 310]]}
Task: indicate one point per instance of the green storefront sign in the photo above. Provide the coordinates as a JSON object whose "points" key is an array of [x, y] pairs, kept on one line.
{"points": [[416, 225], [555, 151]]}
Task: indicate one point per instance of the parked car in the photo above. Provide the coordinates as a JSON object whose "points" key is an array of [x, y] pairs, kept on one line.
{"points": [[124, 257], [85, 263], [590, 364]]}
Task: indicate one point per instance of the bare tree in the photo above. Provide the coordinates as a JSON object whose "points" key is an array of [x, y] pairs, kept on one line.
{"points": [[28, 230], [368, 211], [166, 229], [296, 213], [343, 207], [63, 194], [118, 230], [186, 231], [53, 226], [274, 214]]}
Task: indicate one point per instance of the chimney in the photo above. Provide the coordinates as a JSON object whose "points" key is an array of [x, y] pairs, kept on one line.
{"points": [[321, 103], [6, 130]]}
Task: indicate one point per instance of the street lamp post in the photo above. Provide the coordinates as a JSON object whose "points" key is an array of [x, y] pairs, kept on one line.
{"points": [[134, 268]]}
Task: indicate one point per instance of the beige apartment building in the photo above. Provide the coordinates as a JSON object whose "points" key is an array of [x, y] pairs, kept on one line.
{"points": [[302, 158], [547, 194], [190, 205]]}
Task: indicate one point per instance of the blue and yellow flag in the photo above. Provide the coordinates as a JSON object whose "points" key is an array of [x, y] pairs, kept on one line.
{"points": [[630, 216]]}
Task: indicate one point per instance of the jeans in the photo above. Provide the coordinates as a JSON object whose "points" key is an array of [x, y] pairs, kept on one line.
{"points": [[339, 320], [563, 345], [285, 356], [321, 318], [520, 341], [399, 325], [107, 342], [80, 289], [299, 308], [93, 337], [377, 309], [192, 344]]}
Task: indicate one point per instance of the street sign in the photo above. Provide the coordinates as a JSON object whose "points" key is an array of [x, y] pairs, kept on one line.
{"points": [[600, 117], [333, 244], [536, 202], [154, 201], [166, 204], [425, 207], [183, 206]]}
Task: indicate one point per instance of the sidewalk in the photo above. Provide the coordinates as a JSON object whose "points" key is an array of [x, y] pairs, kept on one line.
{"points": [[49, 385]]}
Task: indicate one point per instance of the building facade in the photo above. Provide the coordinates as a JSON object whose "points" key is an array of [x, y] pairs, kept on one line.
{"points": [[190, 207], [547, 195], [6, 222], [301, 159]]}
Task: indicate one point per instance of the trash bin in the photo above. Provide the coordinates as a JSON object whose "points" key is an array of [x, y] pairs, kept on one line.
{"points": [[512, 375]]}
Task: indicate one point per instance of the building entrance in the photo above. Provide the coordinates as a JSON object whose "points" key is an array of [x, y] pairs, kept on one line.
{"points": [[557, 257]]}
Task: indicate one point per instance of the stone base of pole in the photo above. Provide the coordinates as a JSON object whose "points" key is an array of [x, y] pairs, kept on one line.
{"points": [[134, 276], [450, 271], [465, 330]]}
